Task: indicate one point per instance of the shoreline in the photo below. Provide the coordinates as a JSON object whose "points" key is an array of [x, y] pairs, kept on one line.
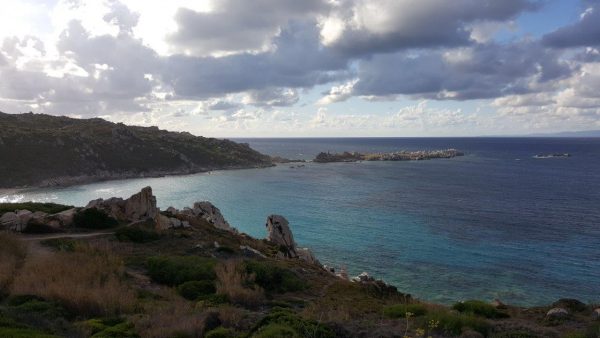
{"points": [[69, 181]]}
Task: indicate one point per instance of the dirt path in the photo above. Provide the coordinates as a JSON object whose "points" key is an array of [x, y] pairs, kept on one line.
{"points": [[63, 235], [36, 248]]}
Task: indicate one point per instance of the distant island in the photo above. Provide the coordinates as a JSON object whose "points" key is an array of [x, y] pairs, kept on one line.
{"points": [[393, 156], [44, 150]]}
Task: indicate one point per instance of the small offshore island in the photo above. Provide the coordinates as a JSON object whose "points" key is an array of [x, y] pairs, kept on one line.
{"points": [[393, 156]]}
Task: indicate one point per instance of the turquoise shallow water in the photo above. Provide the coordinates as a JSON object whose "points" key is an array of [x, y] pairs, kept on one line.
{"points": [[496, 223]]}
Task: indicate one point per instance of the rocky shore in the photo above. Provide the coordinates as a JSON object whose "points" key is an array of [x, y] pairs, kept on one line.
{"points": [[195, 273], [393, 156]]}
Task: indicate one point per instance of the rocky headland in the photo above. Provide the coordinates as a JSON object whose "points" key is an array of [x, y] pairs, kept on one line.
{"points": [[42, 150], [393, 156]]}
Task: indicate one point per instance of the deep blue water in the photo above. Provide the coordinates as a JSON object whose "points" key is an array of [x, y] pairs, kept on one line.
{"points": [[496, 223]]}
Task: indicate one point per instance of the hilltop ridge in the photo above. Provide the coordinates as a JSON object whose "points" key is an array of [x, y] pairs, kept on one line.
{"points": [[45, 150]]}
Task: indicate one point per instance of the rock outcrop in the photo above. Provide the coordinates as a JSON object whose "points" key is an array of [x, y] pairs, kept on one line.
{"points": [[377, 285], [596, 314], [557, 313], [20, 220], [211, 214], [279, 233], [140, 206], [201, 210]]}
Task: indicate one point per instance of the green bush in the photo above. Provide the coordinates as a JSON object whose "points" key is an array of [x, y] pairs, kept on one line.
{"points": [[454, 324], [11, 332], [400, 310], [220, 332], [273, 278], [276, 331], [94, 219], [109, 328], [29, 306], [176, 270], [137, 234], [285, 323], [576, 335], [121, 330], [194, 290], [479, 308], [49, 208]]}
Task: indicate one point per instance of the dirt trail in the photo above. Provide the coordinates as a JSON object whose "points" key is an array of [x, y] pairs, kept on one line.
{"points": [[36, 248], [64, 235]]}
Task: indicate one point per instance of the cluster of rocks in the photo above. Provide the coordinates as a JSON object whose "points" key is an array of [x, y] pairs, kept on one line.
{"points": [[564, 308], [21, 220], [206, 211], [142, 207], [278, 232]]}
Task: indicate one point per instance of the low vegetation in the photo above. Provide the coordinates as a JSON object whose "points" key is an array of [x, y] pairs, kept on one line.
{"points": [[93, 219], [178, 283], [479, 308], [49, 208]]}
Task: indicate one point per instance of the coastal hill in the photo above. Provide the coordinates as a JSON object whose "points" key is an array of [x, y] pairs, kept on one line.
{"points": [[124, 268], [44, 150]]}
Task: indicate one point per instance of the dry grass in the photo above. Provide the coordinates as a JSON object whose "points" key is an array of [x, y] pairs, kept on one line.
{"points": [[87, 281], [231, 316], [237, 285], [12, 256], [175, 318]]}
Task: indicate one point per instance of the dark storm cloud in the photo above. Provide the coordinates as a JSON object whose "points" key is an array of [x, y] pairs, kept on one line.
{"points": [[386, 25], [238, 25], [297, 61], [585, 32], [483, 71]]}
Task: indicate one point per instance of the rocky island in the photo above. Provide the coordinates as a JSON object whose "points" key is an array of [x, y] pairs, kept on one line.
{"points": [[125, 268], [45, 150], [393, 156]]}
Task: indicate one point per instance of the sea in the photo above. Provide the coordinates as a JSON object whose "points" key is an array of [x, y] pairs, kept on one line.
{"points": [[497, 223]]}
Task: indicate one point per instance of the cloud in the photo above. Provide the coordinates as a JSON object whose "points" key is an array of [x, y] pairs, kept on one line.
{"points": [[234, 26], [298, 61], [585, 32], [272, 97], [376, 26], [481, 71]]}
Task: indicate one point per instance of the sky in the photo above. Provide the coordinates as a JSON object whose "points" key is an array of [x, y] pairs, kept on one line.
{"points": [[289, 68]]}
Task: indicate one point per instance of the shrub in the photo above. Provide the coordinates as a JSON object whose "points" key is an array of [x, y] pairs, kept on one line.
{"points": [[86, 281], [220, 332], [234, 282], [273, 278], [276, 331], [575, 335], [400, 310], [94, 219], [49, 208], [23, 333], [175, 270], [479, 308], [274, 323], [137, 234], [194, 290], [454, 324], [12, 257], [121, 330], [61, 244], [29, 305]]}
